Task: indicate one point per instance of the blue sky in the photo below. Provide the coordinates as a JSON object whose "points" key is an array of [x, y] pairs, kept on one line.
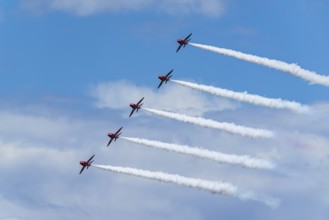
{"points": [[70, 68]]}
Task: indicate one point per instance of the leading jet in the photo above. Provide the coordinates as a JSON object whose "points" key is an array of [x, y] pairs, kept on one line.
{"points": [[87, 163], [183, 42], [166, 78], [136, 107]]}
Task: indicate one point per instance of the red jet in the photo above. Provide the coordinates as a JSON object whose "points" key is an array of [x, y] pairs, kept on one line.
{"points": [[183, 42], [136, 107], [85, 164], [165, 79], [114, 136]]}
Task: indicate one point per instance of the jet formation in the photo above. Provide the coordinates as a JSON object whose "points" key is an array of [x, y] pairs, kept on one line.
{"points": [[138, 105]]}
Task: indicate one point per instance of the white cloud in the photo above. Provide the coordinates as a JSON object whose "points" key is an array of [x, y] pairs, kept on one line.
{"points": [[20, 153], [41, 171], [89, 7], [37, 126], [207, 7]]}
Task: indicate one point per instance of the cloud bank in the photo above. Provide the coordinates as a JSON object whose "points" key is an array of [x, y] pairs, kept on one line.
{"points": [[40, 164]]}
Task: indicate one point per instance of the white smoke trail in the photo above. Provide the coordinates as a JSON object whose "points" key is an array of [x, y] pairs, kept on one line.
{"points": [[245, 97], [240, 160], [210, 186], [213, 187], [228, 127], [292, 68]]}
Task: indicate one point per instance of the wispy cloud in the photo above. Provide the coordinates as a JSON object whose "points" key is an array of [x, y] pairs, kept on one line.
{"points": [[19, 153], [15, 124], [89, 7], [178, 99]]}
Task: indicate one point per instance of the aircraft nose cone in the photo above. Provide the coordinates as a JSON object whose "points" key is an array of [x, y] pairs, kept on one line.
{"points": [[81, 163]]}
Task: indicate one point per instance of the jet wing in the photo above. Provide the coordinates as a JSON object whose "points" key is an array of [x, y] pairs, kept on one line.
{"points": [[110, 142], [132, 111], [82, 169], [139, 101], [160, 83], [116, 133], [180, 46], [188, 37], [90, 159], [169, 73]]}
